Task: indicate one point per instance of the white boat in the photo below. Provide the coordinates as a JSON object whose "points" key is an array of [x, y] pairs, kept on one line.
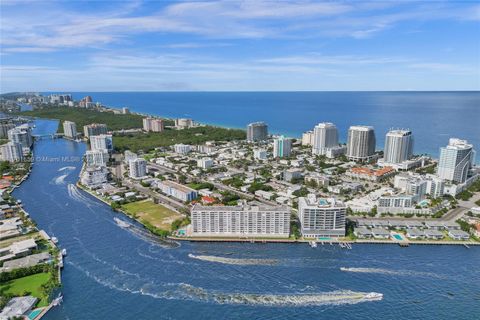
{"points": [[373, 296], [54, 240], [57, 301], [64, 252], [312, 244], [121, 223]]}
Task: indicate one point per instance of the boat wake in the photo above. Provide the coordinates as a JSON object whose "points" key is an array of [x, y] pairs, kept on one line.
{"points": [[184, 291], [145, 235], [235, 261], [389, 272], [69, 168], [76, 194], [59, 180]]}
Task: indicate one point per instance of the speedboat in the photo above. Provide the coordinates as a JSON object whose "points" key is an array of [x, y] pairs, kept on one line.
{"points": [[121, 223], [373, 296]]}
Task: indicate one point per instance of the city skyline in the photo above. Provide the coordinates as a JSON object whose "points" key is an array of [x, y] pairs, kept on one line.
{"points": [[291, 46]]}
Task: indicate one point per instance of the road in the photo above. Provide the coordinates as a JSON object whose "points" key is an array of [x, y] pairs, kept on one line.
{"points": [[217, 185], [155, 195]]}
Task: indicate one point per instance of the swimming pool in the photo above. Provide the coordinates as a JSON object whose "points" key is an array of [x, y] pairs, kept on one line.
{"points": [[34, 314], [398, 237]]}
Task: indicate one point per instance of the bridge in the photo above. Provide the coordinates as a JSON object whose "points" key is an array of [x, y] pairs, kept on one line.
{"points": [[47, 136]]}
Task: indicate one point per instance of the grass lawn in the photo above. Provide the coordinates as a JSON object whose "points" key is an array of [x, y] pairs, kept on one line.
{"points": [[30, 284], [156, 214]]}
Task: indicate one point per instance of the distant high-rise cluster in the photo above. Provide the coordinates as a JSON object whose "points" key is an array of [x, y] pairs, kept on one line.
{"points": [[257, 131]]}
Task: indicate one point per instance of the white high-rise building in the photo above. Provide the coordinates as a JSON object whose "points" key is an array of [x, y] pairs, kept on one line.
{"points": [[98, 157], [456, 159], [361, 143], [11, 152], [257, 131], [325, 136], [137, 168], [282, 147], [182, 148], [241, 221], [205, 163], [70, 129], [153, 124], [307, 138], [103, 141], [21, 134], [321, 217], [398, 146]]}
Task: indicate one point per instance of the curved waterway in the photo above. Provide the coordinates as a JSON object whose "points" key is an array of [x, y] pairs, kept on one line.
{"points": [[113, 273]]}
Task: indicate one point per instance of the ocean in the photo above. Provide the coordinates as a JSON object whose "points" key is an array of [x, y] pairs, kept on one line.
{"points": [[116, 273], [434, 117]]}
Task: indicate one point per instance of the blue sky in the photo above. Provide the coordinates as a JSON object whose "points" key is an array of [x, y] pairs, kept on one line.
{"points": [[239, 45]]}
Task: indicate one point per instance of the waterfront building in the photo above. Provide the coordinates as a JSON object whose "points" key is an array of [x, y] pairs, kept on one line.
{"points": [[94, 129], [94, 177], [325, 136], [456, 160], [21, 134], [125, 110], [129, 155], [398, 146], [4, 128], [100, 142], [282, 147], [260, 154], [361, 143], [70, 129], [241, 221], [257, 131], [307, 138], [137, 168], [153, 124], [18, 307], [321, 217], [183, 123], [96, 158], [205, 163], [182, 148], [177, 190], [11, 152]]}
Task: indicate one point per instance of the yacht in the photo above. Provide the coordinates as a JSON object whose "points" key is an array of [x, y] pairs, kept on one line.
{"points": [[312, 244], [64, 252]]}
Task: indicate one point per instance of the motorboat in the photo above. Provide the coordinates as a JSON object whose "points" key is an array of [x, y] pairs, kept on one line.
{"points": [[121, 223], [312, 244]]}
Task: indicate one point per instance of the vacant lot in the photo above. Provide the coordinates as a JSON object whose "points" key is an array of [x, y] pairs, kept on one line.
{"points": [[30, 284], [155, 214]]}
